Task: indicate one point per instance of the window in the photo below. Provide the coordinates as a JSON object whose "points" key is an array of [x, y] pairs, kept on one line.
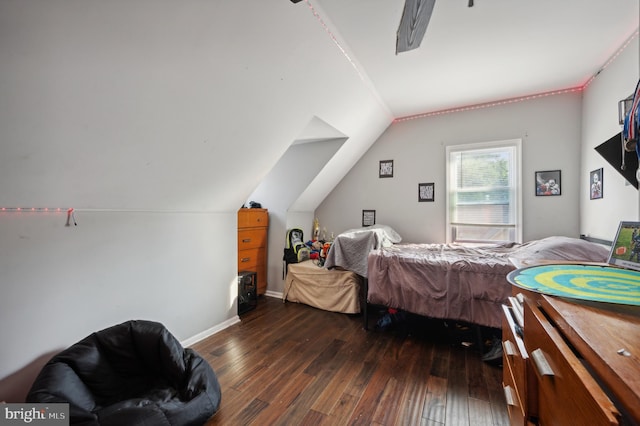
{"points": [[483, 192]]}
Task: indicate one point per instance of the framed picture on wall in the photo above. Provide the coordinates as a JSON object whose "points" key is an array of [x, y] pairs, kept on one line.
{"points": [[368, 217], [548, 183], [426, 191], [595, 184], [386, 169]]}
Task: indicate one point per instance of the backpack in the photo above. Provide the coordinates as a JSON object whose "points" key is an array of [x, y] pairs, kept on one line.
{"points": [[295, 250]]}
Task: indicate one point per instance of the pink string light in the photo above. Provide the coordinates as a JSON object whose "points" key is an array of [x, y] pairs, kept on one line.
{"points": [[34, 209], [524, 98], [490, 104]]}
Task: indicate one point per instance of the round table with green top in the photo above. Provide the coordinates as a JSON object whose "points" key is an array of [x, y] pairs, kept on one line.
{"points": [[583, 282]]}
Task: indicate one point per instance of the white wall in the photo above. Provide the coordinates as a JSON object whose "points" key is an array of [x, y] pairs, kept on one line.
{"points": [[61, 283], [291, 175], [550, 131], [155, 119], [155, 104], [599, 218]]}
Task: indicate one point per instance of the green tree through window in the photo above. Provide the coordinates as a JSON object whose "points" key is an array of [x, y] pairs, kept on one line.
{"points": [[483, 192]]}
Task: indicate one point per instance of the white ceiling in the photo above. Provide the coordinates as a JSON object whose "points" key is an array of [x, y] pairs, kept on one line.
{"points": [[495, 50], [155, 104]]}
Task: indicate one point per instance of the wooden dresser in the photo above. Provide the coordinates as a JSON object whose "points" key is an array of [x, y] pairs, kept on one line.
{"points": [[564, 364], [253, 226]]}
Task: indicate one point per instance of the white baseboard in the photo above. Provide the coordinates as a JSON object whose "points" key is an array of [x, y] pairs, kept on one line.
{"points": [[276, 294], [228, 323], [210, 332]]}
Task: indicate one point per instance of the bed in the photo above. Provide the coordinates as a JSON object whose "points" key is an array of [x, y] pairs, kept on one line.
{"points": [[461, 283], [333, 290]]}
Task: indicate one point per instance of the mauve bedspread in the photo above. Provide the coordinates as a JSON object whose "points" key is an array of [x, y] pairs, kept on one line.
{"points": [[457, 282]]}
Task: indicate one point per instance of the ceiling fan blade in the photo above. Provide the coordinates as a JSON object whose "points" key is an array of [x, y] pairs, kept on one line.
{"points": [[413, 24]]}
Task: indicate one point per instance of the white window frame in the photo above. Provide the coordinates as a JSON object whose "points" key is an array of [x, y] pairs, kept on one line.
{"points": [[517, 144]]}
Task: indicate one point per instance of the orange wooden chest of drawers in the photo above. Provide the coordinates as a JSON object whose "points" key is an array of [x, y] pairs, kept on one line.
{"points": [[253, 227], [568, 368]]}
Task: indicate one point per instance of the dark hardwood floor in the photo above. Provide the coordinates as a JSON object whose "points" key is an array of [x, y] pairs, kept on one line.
{"points": [[291, 364]]}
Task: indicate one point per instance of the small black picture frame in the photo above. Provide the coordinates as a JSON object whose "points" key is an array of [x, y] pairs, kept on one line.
{"points": [[426, 192], [386, 169], [596, 184], [368, 217], [548, 183]]}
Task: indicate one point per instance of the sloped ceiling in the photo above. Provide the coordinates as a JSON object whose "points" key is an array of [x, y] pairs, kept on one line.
{"points": [[164, 105], [318, 130], [497, 49], [186, 106]]}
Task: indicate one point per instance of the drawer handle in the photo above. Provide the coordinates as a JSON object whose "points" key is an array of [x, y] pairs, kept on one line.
{"points": [[542, 365], [246, 240], [518, 311], [245, 259], [509, 348], [508, 395]]}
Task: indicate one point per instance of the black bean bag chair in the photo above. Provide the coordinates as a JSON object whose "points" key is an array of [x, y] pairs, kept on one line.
{"points": [[132, 373]]}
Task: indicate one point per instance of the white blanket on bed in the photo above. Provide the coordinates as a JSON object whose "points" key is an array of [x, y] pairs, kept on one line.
{"points": [[350, 248]]}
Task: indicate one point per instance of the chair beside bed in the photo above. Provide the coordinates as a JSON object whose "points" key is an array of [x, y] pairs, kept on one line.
{"points": [[337, 286], [328, 289]]}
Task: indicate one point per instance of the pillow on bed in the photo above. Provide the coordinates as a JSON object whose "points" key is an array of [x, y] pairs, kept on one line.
{"points": [[562, 248], [388, 235]]}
